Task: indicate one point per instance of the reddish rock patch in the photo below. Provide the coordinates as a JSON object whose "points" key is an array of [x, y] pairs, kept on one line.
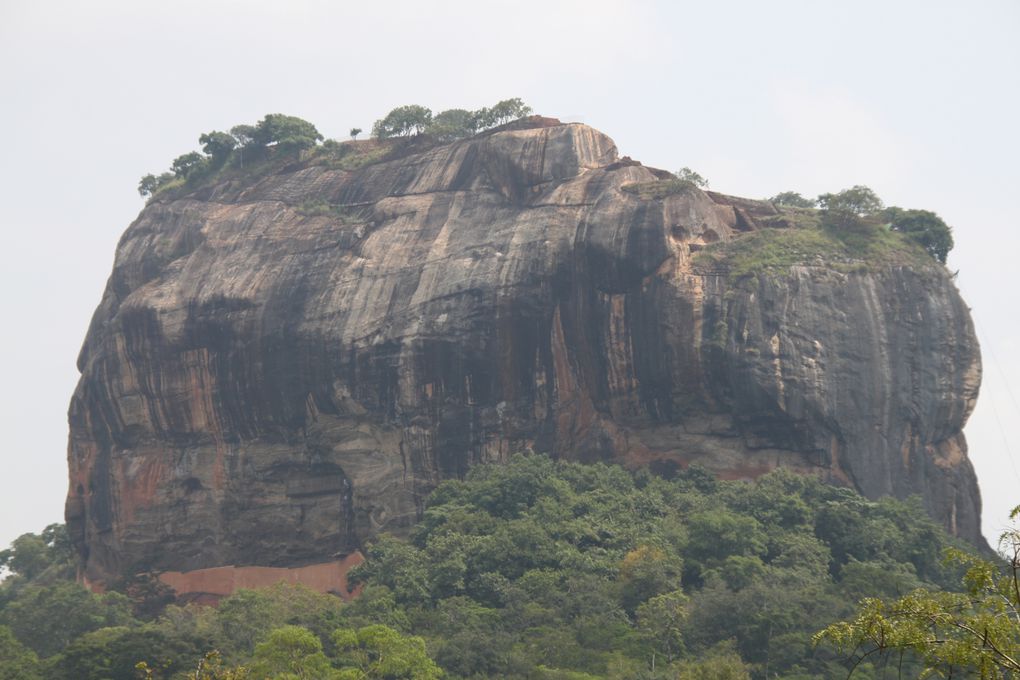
{"points": [[209, 586]]}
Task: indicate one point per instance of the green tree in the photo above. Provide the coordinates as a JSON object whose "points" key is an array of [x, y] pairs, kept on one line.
{"points": [[150, 183], [924, 227], [209, 667], [247, 616], [403, 121], [355, 131], [291, 652], [35, 560], [379, 652], [147, 185], [883, 577], [719, 534], [452, 124], [28, 556], [375, 604], [662, 618], [149, 596], [792, 199], [975, 631], [850, 207], [187, 164], [217, 145], [536, 568], [646, 572], [244, 134], [289, 134], [471, 639], [398, 566], [115, 653], [688, 176], [760, 616], [720, 663], [17, 662], [48, 618], [863, 530], [500, 113]]}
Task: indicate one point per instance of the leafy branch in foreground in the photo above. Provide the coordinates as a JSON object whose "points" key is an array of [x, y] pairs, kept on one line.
{"points": [[976, 631]]}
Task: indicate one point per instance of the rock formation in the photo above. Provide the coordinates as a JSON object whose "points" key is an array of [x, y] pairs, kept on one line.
{"points": [[284, 365]]}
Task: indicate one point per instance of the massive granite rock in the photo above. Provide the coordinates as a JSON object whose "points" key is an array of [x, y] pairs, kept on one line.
{"points": [[283, 366]]}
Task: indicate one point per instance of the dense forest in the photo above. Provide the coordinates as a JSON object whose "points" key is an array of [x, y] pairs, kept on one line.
{"points": [[531, 569]]}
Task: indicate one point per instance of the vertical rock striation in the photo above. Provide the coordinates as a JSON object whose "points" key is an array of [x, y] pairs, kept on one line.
{"points": [[265, 384]]}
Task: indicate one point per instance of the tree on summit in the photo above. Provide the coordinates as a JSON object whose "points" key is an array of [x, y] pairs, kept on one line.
{"points": [[403, 121], [244, 134], [185, 164], [691, 178], [924, 227], [217, 145], [501, 113], [448, 125], [452, 124], [849, 208], [287, 133], [792, 199]]}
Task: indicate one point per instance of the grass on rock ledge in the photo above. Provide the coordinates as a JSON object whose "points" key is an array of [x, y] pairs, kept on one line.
{"points": [[863, 248]]}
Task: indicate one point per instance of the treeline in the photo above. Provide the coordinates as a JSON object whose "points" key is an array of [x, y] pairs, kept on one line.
{"points": [[286, 137], [859, 208], [274, 134], [534, 569], [450, 124]]}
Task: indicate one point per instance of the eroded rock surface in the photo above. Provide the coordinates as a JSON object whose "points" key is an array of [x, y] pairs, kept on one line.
{"points": [[267, 385]]}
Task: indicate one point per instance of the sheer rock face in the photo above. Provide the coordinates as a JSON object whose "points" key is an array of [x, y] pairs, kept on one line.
{"points": [[265, 386]]}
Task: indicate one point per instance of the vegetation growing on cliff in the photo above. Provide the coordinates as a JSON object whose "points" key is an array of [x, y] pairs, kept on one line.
{"points": [[852, 208], [280, 139], [532, 569], [775, 251], [450, 124], [276, 135], [924, 228], [859, 210], [792, 199], [851, 231], [682, 180]]}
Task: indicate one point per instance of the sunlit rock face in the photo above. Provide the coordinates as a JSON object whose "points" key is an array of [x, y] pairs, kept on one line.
{"points": [[264, 384]]}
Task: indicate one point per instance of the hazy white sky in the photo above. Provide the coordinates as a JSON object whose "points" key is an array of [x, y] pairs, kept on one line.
{"points": [[919, 100]]}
